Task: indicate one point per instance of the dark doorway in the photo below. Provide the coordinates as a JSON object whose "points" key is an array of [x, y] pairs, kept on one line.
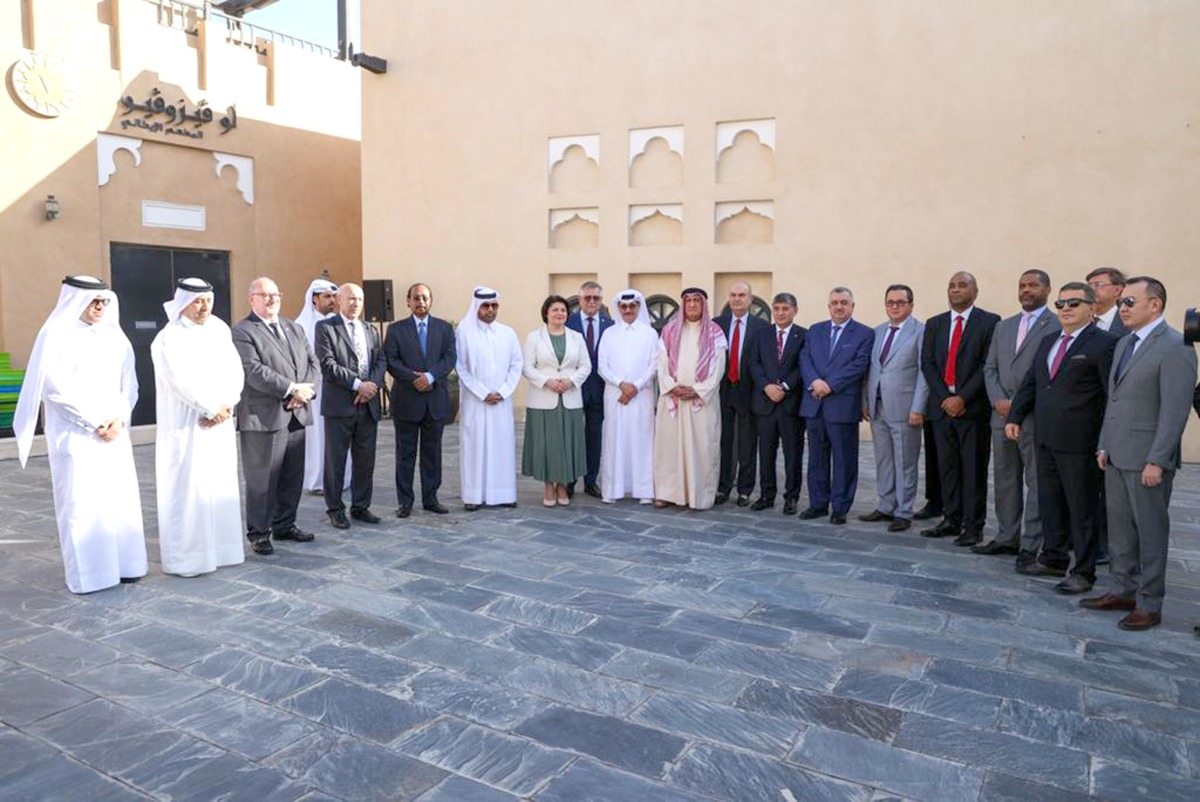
{"points": [[143, 277]]}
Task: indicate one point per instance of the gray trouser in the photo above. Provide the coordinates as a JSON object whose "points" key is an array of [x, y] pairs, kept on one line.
{"points": [[1138, 527], [1014, 471], [897, 452]]}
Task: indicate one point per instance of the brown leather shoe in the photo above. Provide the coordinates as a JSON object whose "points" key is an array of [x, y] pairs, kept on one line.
{"points": [[1140, 619], [1108, 601]]}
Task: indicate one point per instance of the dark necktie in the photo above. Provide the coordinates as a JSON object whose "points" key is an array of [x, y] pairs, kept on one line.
{"points": [[779, 342], [833, 339], [1125, 357], [1063, 345], [591, 339], [423, 337], [887, 344]]}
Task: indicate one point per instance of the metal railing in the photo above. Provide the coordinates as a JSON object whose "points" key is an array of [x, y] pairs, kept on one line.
{"points": [[184, 16]]}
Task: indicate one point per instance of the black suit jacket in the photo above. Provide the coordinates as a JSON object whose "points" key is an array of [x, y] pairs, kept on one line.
{"points": [[740, 394], [339, 367], [405, 361], [593, 385], [1196, 401], [968, 368], [1118, 329], [1068, 411], [766, 367]]}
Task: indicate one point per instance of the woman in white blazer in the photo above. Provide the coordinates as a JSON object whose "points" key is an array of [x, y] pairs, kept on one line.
{"points": [[556, 364]]}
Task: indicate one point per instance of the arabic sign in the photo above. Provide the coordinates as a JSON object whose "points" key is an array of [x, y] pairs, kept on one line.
{"points": [[176, 116]]}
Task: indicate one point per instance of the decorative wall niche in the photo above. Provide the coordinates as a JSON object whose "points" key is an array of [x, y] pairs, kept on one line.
{"points": [[656, 157], [575, 228], [656, 224], [745, 223], [745, 151], [107, 146], [573, 163]]}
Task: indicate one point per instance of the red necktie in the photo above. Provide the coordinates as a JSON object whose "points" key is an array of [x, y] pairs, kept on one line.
{"points": [[735, 373], [952, 357], [1058, 356], [779, 339]]}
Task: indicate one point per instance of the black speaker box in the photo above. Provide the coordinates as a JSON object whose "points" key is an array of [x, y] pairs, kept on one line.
{"points": [[378, 306]]}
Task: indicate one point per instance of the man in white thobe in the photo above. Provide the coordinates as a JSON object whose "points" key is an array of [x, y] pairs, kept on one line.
{"points": [[81, 367], [320, 303], [198, 376], [489, 367], [628, 361]]}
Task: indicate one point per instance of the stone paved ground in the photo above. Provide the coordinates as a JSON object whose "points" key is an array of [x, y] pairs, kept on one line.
{"points": [[591, 653]]}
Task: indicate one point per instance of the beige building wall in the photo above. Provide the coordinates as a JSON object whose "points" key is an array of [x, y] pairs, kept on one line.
{"points": [[298, 124], [872, 141]]}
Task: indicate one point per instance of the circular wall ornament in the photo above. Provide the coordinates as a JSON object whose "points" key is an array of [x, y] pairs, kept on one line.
{"points": [[43, 84]]}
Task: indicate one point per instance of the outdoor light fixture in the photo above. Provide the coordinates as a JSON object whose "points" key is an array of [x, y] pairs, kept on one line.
{"points": [[369, 63], [51, 204]]}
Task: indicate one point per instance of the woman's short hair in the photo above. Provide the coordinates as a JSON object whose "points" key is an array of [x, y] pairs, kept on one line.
{"points": [[551, 301]]}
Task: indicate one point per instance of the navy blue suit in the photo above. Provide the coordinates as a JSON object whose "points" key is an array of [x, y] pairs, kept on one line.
{"points": [[777, 422], [832, 421], [739, 438], [593, 395]]}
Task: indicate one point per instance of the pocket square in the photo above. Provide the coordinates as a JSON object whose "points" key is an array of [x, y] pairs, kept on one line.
{"points": [[1078, 356]]}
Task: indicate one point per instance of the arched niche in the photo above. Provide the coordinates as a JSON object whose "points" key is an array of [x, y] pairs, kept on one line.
{"points": [[746, 152], [574, 228], [656, 157], [573, 163], [656, 224], [745, 223]]}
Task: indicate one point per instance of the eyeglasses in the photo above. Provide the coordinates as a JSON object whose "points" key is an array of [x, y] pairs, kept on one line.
{"points": [[896, 303], [1099, 285], [592, 298], [631, 305], [1071, 302], [268, 295], [1128, 301], [101, 302]]}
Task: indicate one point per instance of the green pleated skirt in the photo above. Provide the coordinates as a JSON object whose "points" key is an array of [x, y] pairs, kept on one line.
{"points": [[555, 447]]}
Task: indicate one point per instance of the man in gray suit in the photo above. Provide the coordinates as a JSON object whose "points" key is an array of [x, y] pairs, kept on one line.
{"points": [[281, 379], [1149, 397], [1014, 466], [894, 401]]}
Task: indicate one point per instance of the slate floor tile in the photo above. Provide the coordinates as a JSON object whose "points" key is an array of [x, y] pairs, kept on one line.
{"points": [[575, 687], [482, 702], [168, 646], [350, 626], [787, 668], [809, 621], [29, 695], [700, 719], [629, 746], [953, 604], [236, 723], [585, 780], [1134, 682], [1040, 690], [729, 629], [529, 612], [362, 772], [260, 677], [1123, 782], [736, 776], [670, 642], [58, 653], [581, 652], [999, 787], [363, 666], [60, 778], [140, 685], [358, 711], [464, 656], [522, 588], [460, 789], [1151, 715], [463, 597], [108, 737], [940, 644], [632, 611], [659, 671], [865, 719]]}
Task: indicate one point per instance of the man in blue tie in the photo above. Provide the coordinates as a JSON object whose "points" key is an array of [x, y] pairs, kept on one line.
{"points": [[591, 321], [833, 367]]}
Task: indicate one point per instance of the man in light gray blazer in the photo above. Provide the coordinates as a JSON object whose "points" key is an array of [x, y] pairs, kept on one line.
{"points": [[1149, 399], [1014, 465], [894, 401]]}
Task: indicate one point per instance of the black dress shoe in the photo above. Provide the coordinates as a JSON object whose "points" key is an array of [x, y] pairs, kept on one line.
{"points": [[763, 504], [874, 516], [1074, 584], [899, 524], [337, 518], [943, 529], [994, 548], [927, 512], [438, 509], [129, 580], [1041, 569], [296, 534], [811, 513], [262, 546], [471, 507], [403, 511], [968, 539], [571, 490], [366, 516], [1025, 558], [789, 508], [593, 491], [720, 499], [837, 520], [512, 505], [743, 501]]}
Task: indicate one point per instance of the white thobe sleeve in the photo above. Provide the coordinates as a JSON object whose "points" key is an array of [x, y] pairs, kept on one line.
{"points": [[604, 361], [645, 372], [665, 383], [129, 386], [463, 367], [61, 391], [181, 379], [516, 362], [707, 388]]}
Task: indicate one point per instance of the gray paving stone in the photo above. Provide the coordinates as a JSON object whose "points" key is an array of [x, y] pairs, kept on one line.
{"points": [[59, 778], [483, 703], [349, 626], [790, 669], [446, 620], [1039, 691], [582, 652], [1162, 718], [809, 621], [880, 612], [703, 720], [358, 711], [1113, 781], [463, 597], [910, 581], [688, 598], [826, 710], [575, 687], [629, 746], [671, 642], [905, 773], [142, 686], [789, 596], [15, 629], [260, 677], [952, 604], [1139, 659], [546, 591], [513, 764], [658, 671], [58, 653], [999, 787], [737, 776], [976, 629], [1147, 684], [267, 637], [234, 722], [517, 564], [168, 646], [365, 667], [976, 710], [631, 611], [108, 737], [538, 614], [20, 753], [940, 644], [29, 695], [464, 656], [585, 780], [729, 629], [91, 622], [277, 578], [460, 789]]}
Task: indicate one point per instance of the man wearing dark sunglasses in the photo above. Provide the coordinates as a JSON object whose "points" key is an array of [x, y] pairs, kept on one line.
{"points": [[1064, 392], [1149, 394]]}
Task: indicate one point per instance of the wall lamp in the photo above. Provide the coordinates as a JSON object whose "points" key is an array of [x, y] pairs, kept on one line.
{"points": [[51, 204]]}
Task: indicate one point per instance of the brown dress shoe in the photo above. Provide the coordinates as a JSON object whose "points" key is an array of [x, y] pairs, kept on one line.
{"points": [[1108, 601], [1140, 619]]}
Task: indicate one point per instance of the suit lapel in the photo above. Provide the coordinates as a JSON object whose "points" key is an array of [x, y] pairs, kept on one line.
{"points": [[905, 332], [284, 348], [1043, 322], [1147, 344]]}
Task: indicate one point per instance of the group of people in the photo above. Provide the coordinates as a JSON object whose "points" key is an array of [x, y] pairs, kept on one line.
{"points": [[1080, 413]]}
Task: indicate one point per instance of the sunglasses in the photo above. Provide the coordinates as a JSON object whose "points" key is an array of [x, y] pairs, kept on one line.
{"points": [[1128, 302], [633, 305], [1071, 302], [100, 302]]}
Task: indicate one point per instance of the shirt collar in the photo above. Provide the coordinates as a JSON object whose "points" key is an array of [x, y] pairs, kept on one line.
{"points": [[965, 314], [1109, 316], [1035, 314], [1145, 331]]}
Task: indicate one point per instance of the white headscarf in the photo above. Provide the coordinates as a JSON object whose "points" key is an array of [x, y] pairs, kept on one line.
{"points": [[479, 296], [643, 318], [76, 294], [186, 291], [308, 316]]}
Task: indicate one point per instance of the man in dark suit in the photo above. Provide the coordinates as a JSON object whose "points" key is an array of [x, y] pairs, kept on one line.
{"points": [[1064, 391], [281, 377], [1139, 451], [739, 435], [590, 321], [420, 355], [956, 346], [773, 360], [352, 364], [833, 367], [1107, 283]]}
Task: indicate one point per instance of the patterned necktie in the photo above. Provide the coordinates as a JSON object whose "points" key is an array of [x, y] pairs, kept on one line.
{"points": [[833, 339], [591, 339], [779, 343], [951, 371], [1063, 345], [734, 373], [1024, 329], [887, 344], [1124, 363], [360, 349], [422, 336]]}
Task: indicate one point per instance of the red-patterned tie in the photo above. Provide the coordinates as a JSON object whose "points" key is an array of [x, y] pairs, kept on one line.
{"points": [[734, 373], [952, 358], [779, 340]]}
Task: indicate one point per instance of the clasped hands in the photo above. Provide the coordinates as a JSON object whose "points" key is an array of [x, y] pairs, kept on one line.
{"points": [[559, 386], [628, 391], [110, 430], [223, 414], [682, 392], [366, 391], [301, 394]]}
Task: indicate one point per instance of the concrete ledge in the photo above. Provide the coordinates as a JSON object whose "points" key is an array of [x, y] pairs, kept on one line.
{"points": [[142, 436]]}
